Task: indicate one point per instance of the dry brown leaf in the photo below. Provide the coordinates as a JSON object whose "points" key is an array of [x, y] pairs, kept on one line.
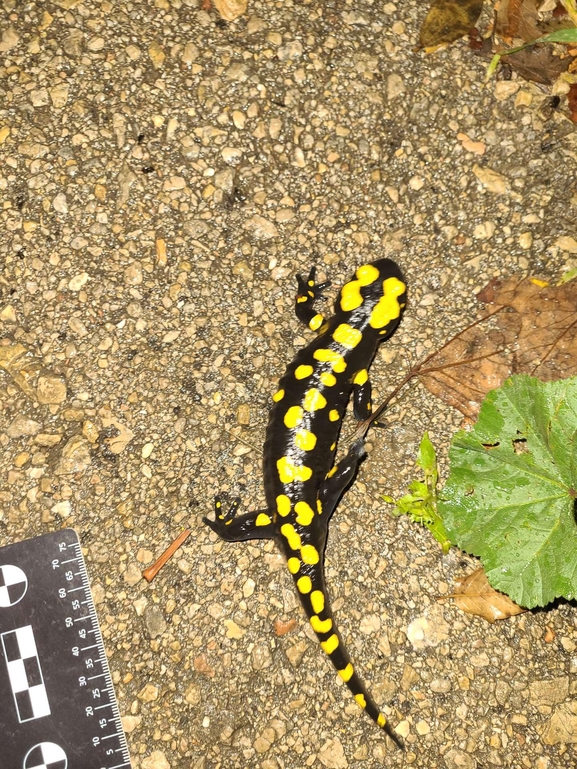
{"points": [[474, 595], [538, 64], [448, 20], [527, 328], [517, 18]]}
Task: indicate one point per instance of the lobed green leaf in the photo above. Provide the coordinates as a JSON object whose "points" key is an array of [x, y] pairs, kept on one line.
{"points": [[510, 498]]}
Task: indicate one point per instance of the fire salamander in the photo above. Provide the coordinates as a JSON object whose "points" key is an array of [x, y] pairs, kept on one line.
{"points": [[302, 484]]}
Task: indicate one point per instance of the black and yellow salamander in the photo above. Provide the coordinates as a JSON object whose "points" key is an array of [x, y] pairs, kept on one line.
{"points": [[302, 484]]}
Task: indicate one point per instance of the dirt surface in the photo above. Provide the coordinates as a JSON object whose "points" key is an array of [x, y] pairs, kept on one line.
{"points": [[163, 177]]}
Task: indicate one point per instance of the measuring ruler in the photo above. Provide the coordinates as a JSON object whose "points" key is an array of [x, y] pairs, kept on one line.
{"points": [[57, 704]]}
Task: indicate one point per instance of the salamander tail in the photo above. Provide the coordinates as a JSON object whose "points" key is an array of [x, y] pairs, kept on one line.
{"points": [[366, 702]]}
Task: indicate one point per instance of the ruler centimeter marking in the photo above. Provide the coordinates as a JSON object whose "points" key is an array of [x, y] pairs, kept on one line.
{"points": [[50, 708]]}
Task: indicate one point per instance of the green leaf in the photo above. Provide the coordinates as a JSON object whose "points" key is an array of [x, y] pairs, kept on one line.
{"points": [[561, 36], [421, 503], [567, 277], [510, 498]]}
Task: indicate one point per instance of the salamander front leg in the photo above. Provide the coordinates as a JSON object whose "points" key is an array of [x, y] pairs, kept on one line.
{"points": [[255, 525], [340, 476], [308, 292]]}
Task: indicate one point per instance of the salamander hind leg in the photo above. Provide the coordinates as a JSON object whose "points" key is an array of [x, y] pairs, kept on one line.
{"points": [[362, 395], [308, 292], [254, 525], [339, 477]]}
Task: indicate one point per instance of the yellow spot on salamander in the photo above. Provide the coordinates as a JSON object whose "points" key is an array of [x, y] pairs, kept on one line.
{"points": [[319, 507], [333, 446], [317, 601], [329, 380], [288, 471], [321, 625], [316, 322], [336, 360], [331, 472], [348, 336], [310, 555], [292, 537], [283, 505], [361, 377], [302, 372], [361, 701], [293, 417], [330, 644], [334, 415], [367, 274], [278, 396], [302, 298], [262, 519], [304, 585], [305, 514], [347, 673], [293, 565], [388, 307], [305, 440], [314, 400], [381, 720], [351, 296]]}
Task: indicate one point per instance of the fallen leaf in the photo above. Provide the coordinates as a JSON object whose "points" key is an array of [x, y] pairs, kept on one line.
{"points": [[474, 595], [447, 21], [517, 18], [509, 498], [527, 328], [476, 41], [538, 64]]}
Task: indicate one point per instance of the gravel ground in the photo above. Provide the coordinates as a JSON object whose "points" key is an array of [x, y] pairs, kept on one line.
{"points": [[163, 177]]}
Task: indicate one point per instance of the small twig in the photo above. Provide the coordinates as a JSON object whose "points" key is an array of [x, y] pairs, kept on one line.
{"points": [[552, 346], [150, 573], [363, 427], [465, 361]]}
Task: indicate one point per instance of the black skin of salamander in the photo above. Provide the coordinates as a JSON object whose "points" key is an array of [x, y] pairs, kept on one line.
{"points": [[323, 484]]}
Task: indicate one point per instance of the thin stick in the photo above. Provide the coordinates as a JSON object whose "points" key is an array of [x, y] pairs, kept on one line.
{"points": [[363, 426], [150, 573]]}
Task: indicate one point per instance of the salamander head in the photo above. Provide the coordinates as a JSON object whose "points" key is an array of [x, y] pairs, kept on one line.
{"points": [[375, 297]]}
